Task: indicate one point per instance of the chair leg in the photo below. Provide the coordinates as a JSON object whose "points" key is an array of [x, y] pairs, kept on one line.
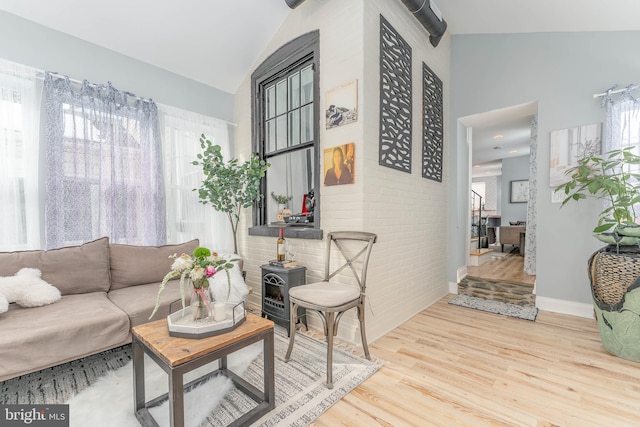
{"points": [[330, 331], [363, 332], [293, 317]]}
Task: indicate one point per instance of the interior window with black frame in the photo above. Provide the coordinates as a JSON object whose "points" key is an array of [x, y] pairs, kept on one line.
{"points": [[285, 115]]}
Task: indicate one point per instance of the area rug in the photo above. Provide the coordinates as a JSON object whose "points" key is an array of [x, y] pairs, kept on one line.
{"points": [[506, 309], [99, 389]]}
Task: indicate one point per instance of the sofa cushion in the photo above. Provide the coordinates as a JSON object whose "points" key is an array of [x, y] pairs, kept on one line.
{"points": [[220, 284], [71, 269], [74, 327], [139, 265], [138, 301]]}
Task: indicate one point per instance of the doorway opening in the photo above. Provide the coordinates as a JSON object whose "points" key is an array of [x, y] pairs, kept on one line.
{"points": [[501, 228]]}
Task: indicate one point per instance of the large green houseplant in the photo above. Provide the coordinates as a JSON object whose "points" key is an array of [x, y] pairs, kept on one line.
{"points": [[229, 186], [612, 177], [614, 271]]}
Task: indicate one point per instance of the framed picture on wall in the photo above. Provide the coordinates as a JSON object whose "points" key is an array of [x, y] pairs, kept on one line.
{"points": [[339, 163], [342, 105], [568, 146], [519, 191]]}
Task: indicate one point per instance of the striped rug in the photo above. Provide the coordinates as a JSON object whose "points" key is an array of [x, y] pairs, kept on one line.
{"points": [[301, 395]]}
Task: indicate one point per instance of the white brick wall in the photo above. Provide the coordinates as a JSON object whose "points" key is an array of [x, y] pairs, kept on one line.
{"points": [[407, 272]]}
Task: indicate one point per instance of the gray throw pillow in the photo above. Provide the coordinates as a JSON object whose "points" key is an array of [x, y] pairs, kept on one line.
{"points": [[140, 265]]}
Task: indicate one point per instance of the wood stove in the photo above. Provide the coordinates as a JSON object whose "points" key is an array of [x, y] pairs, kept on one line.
{"points": [[276, 282]]}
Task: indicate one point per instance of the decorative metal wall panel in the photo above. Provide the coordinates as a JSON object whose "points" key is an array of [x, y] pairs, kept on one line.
{"points": [[432, 134], [395, 99]]}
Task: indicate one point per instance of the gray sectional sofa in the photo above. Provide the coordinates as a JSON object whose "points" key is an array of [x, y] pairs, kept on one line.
{"points": [[106, 289]]}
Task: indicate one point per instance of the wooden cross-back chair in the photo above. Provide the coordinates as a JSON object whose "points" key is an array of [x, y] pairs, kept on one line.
{"points": [[330, 298]]}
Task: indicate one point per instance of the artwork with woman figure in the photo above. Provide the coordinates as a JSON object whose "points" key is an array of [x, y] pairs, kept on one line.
{"points": [[338, 163]]}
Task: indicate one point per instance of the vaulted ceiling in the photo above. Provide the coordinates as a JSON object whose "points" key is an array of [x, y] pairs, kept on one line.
{"points": [[216, 42]]}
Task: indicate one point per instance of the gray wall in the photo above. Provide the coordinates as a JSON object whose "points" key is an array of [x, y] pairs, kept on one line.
{"points": [[513, 169], [491, 201], [561, 71], [28, 43]]}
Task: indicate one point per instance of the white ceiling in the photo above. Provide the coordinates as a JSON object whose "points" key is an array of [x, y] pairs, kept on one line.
{"points": [[216, 42], [497, 135]]}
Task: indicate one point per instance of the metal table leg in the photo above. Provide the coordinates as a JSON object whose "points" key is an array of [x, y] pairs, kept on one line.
{"points": [[138, 375], [176, 399]]}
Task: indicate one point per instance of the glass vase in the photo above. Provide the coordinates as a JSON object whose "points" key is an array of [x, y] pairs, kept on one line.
{"points": [[200, 300]]}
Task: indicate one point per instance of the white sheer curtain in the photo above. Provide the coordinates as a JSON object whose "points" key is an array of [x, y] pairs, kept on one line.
{"points": [[20, 94], [623, 121], [104, 166], [187, 218]]}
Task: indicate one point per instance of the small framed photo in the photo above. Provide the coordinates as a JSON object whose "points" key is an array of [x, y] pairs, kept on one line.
{"points": [[519, 191], [342, 105], [339, 163]]}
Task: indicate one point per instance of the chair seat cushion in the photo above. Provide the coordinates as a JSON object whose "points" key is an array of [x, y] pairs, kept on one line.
{"points": [[326, 294]]}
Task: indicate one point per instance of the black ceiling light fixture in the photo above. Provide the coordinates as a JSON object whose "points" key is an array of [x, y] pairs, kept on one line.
{"points": [[425, 11], [428, 14]]}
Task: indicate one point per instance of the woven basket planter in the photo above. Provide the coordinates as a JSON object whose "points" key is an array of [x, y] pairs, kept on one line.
{"points": [[615, 286]]}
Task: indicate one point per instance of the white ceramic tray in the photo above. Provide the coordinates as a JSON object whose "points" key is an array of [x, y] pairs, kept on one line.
{"points": [[182, 325]]}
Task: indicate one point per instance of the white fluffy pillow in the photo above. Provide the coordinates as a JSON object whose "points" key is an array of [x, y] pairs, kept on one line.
{"points": [[27, 289], [219, 285]]}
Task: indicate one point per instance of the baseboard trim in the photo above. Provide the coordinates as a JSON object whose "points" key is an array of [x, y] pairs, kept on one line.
{"points": [[565, 307], [453, 288], [461, 273]]}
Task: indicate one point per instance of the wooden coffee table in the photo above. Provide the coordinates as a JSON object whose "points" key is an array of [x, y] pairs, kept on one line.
{"points": [[177, 356]]}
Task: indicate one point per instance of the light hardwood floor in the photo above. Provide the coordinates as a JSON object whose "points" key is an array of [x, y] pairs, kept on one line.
{"points": [[453, 366], [509, 268]]}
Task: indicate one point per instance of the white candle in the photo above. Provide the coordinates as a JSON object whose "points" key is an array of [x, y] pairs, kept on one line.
{"points": [[219, 311]]}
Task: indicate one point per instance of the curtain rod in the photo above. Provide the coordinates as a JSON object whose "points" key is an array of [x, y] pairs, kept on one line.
{"points": [[41, 77], [610, 92], [59, 76]]}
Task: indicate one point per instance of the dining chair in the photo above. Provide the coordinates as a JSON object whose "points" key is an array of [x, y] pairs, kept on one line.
{"points": [[330, 298]]}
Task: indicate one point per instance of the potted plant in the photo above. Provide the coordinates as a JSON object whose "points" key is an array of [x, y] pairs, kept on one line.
{"points": [[283, 210], [281, 200], [614, 271], [229, 186], [612, 177]]}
